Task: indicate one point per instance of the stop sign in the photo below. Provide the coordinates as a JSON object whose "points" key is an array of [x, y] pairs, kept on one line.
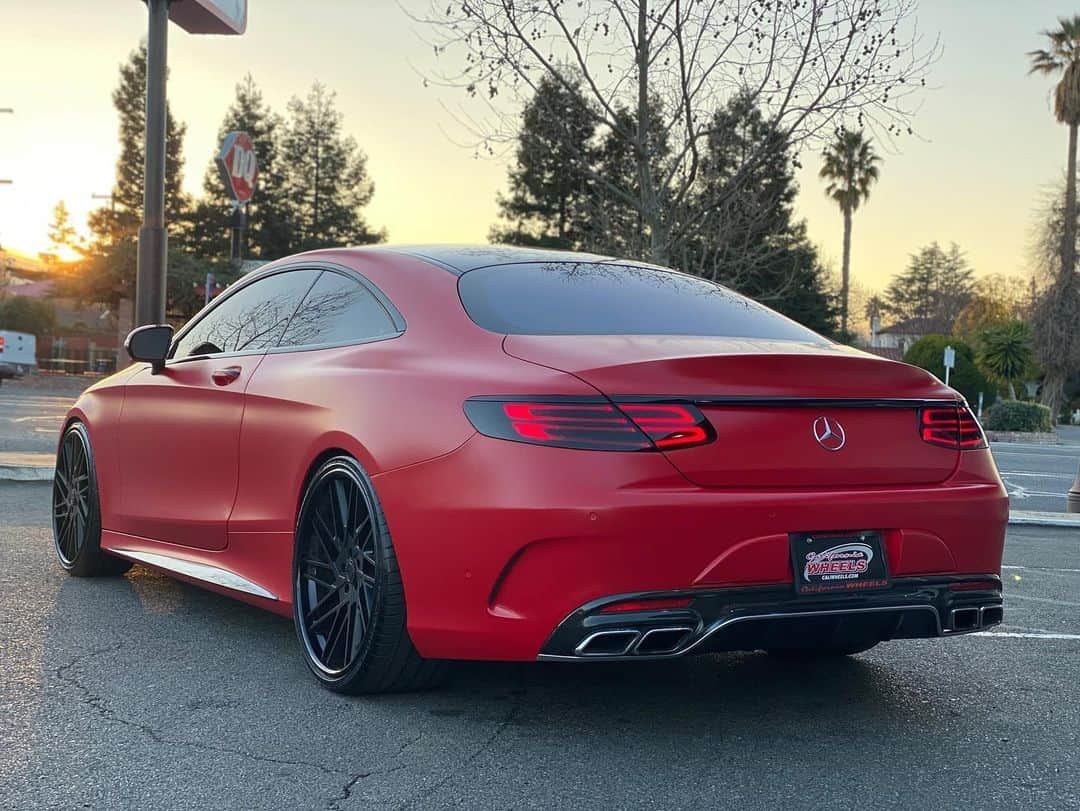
{"points": [[238, 166]]}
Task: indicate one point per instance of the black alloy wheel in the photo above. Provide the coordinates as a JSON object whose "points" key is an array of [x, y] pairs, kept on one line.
{"points": [[76, 511], [348, 599]]}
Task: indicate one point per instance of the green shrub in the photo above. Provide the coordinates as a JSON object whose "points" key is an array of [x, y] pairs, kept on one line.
{"points": [[928, 353], [1014, 415]]}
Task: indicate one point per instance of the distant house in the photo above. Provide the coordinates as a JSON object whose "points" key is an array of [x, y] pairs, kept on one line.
{"points": [[897, 337], [86, 334]]}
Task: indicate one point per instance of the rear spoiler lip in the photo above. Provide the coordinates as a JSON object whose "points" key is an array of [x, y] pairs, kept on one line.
{"points": [[804, 402], [742, 400]]}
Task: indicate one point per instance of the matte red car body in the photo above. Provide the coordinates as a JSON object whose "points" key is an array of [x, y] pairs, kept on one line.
{"points": [[499, 541]]}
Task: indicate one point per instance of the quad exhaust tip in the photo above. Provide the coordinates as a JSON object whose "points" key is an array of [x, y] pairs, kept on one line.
{"points": [[974, 617], [625, 641]]}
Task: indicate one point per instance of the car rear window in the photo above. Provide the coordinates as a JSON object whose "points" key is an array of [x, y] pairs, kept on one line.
{"points": [[567, 298]]}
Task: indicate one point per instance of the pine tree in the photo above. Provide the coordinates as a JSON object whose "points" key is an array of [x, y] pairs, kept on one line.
{"points": [[326, 178], [267, 211], [549, 182], [934, 289], [62, 233], [123, 217], [108, 271], [749, 237]]}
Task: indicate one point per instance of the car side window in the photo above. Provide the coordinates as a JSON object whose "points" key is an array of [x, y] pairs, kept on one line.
{"points": [[338, 310], [252, 318]]}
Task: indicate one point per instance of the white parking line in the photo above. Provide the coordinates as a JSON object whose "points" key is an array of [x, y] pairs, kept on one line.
{"points": [[1040, 569], [1013, 473], [1011, 596], [1017, 635]]}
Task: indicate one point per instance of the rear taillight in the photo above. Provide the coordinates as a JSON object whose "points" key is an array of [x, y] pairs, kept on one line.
{"points": [[949, 427], [590, 423]]}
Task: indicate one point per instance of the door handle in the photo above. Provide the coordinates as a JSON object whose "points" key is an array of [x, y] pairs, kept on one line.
{"points": [[223, 377]]}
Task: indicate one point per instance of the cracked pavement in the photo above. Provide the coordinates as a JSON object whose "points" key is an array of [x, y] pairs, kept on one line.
{"points": [[142, 692]]}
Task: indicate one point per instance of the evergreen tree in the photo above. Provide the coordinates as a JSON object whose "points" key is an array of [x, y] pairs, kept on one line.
{"points": [[749, 237], [934, 289], [61, 233], [108, 271], [124, 216], [267, 212], [326, 178], [549, 181]]}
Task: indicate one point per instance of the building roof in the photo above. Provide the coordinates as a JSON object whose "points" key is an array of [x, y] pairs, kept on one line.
{"points": [[909, 326], [887, 352]]}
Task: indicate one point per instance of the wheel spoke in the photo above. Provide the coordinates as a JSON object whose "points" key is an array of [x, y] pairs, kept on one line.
{"points": [[335, 634], [334, 592], [325, 535], [315, 623]]}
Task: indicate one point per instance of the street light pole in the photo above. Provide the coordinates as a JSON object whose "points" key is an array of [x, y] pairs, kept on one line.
{"points": [[153, 236]]}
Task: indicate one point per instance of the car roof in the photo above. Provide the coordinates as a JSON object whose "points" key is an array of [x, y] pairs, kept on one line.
{"points": [[460, 259]]}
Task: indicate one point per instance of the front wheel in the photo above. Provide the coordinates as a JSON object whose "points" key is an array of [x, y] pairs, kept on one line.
{"points": [[348, 598], [76, 510]]}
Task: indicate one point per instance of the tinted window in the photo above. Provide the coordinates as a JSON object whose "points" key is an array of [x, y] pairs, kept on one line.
{"points": [[253, 317], [585, 298], [338, 310]]}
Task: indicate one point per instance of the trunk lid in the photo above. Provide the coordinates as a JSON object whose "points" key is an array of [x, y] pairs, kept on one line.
{"points": [[786, 414]]}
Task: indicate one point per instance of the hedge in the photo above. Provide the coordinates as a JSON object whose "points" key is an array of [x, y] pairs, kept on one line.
{"points": [[1014, 415]]}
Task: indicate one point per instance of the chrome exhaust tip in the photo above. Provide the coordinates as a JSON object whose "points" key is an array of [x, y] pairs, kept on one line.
{"points": [[991, 615], [607, 643], [661, 641], [964, 619]]}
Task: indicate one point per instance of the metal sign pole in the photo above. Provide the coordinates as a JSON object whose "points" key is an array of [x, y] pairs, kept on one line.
{"points": [[153, 237]]}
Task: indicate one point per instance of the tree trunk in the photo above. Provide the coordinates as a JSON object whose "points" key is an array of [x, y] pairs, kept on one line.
{"points": [[1068, 240], [649, 200], [1052, 392], [845, 284], [1012, 391]]}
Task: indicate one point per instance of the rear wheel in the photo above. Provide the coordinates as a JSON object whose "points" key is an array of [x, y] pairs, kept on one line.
{"points": [[348, 598], [76, 510]]}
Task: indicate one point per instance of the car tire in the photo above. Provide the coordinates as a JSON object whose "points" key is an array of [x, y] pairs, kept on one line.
{"points": [[76, 510], [346, 578]]}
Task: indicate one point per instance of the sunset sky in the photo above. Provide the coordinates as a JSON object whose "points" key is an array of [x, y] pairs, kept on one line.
{"points": [[988, 143]]}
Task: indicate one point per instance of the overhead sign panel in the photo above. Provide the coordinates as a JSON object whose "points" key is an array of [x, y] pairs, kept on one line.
{"points": [[209, 16]]}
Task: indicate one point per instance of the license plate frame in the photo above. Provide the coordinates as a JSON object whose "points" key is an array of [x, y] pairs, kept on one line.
{"points": [[830, 563]]}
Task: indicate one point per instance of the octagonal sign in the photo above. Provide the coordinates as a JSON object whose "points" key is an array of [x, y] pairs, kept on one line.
{"points": [[238, 166]]}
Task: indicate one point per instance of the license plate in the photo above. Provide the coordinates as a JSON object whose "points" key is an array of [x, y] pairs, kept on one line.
{"points": [[825, 563]]}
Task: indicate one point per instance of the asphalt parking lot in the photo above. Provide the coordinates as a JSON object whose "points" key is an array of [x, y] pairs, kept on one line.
{"points": [[144, 692]]}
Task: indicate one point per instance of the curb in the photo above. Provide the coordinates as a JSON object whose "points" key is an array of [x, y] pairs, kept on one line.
{"points": [[1044, 519], [12, 473]]}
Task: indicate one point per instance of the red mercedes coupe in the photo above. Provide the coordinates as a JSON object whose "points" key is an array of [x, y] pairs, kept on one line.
{"points": [[435, 453]]}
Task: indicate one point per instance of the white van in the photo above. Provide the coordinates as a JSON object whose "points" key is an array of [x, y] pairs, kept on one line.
{"points": [[18, 354]]}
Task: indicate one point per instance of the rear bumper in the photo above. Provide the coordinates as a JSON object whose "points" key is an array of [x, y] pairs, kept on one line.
{"points": [[499, 543], [770, 617]]}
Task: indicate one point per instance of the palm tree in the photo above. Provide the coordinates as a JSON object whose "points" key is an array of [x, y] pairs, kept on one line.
{"points": [[1005, 353], [850, 168], [1063, 56], [1058, 344]]}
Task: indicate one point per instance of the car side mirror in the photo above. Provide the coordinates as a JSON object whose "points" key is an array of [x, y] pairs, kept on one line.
{"points": [[150, 344]]}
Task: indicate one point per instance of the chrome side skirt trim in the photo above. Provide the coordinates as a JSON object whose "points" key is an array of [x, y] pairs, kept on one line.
{"points": [[729, 621], [198, 571]]}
